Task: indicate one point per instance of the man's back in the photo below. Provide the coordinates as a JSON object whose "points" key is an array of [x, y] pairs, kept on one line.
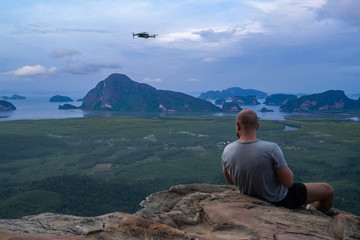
{"points": [[251, 166]]}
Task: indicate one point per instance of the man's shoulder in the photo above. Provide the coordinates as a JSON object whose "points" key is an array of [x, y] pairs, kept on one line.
{"points": [[256, 143], [232, 144], [268, 143]]}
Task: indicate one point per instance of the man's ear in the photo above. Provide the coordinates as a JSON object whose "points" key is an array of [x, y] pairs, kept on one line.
{"points": [[257, 126], [238, 126]]}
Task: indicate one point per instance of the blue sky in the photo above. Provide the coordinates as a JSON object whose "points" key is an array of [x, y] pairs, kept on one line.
{"points": [[292, 46]]}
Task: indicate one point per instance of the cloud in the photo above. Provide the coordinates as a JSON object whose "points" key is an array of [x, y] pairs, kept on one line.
{"points": [[209, 60], [350, 69], [179, 36], [81, 68], [215, 35], [63, 52], [346, 10], [41, 29], [265, 7], [152, 80], [193, 80], [27, 71]]}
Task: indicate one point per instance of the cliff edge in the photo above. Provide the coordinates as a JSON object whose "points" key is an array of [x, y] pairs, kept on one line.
{"points": [[194, 211]]}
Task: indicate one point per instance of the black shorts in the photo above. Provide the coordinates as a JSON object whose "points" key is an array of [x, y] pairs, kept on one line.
{"points": [[295, 198]]}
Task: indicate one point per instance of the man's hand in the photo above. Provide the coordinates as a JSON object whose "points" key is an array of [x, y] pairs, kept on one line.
{"points": [[285, 176], [228, 179]]}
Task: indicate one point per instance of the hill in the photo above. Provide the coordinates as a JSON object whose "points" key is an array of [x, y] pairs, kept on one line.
{"points": [[329, 100], [119, 93], [232, 92]]}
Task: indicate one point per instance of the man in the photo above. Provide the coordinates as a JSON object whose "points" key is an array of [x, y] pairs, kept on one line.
{"points": [[258, 168]]}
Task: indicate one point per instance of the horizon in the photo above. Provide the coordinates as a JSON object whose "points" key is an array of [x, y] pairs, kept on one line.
{"points": [[275, 46], [82, 93]]}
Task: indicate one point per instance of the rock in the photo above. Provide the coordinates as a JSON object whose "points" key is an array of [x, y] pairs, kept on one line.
{"points": [[119, 226], [67, 106], [221, 212], [194, 211], [58, 98], [231, 107], [6, 106]]}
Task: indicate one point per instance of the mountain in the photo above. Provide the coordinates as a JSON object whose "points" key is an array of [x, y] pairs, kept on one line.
{"points": [[185, 212], [232, 92], [279, 99], [329, 100], [119, 93], [6, 106]]}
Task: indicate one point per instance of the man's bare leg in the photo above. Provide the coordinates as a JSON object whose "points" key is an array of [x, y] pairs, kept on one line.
{"points": [[321, 194]]}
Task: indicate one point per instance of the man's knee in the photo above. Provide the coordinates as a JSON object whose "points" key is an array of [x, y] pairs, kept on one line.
{"points": [[329, 190], [319, 192]]}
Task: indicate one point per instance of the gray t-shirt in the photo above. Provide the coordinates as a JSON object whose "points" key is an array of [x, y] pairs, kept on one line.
{"points": [[251, 166]]}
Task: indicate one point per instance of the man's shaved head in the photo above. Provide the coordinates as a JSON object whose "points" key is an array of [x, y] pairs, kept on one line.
{"points": [[247, 119]]}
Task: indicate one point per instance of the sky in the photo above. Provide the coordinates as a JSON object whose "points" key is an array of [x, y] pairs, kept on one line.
{"points": [[276, 46]]}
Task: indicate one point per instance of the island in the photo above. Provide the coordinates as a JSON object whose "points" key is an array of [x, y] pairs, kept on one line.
{"points": [[231, 107], [328, 100], [264, 109], [17, 97], [67, 106], [119, 93], [6, 106], [279, 99], [232, 92], [59, 98], [246, 100], [220, 101]]}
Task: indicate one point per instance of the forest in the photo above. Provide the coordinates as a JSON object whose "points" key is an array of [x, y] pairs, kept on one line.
{"points": [[96, 165]]}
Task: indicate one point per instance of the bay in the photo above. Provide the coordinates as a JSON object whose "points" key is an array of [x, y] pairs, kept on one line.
{"points": [[39, 107]]}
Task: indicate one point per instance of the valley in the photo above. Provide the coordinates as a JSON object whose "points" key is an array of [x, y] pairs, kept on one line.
{"points": [[92, 166]]}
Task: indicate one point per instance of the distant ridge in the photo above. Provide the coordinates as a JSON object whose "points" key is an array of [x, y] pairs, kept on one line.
{"points": [[119, 93], [328, 100], [232, 92]]}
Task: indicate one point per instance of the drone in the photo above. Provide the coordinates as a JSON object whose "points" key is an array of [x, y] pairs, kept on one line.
{"points": [[144, 35]]}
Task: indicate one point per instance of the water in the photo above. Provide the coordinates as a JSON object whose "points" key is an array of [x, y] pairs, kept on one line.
{"points": [[39, 107]]}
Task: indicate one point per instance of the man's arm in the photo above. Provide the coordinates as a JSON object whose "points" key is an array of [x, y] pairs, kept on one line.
{"points": [[285, 176], [228, 177]]}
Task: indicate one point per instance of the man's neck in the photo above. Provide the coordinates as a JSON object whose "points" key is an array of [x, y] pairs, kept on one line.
{"points": [[247, 138]]}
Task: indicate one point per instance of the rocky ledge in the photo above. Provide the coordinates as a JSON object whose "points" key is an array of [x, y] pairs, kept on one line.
{"points": [[195, 211]]}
